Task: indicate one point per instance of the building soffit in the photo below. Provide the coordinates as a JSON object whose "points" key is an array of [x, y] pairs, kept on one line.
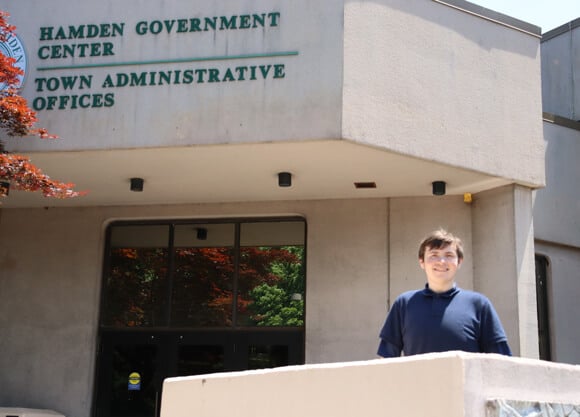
{"points": [[246, 172]]}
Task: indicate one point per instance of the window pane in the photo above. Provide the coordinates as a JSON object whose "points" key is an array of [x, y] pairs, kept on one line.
{"points": [[200, 359], [202, 282], [271, 274], [133, 400], [134, 288], [542, 264], [260, 357]]}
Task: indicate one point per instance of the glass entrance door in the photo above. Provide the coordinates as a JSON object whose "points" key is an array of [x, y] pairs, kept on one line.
{"points": [[133, 365], [188, 298], [130, 374]]}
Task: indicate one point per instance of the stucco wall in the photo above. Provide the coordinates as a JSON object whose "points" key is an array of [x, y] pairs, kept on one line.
{"points": [[302, 101], [494, 377], [50, 274], [497, 232], [51, 265], [504, 268], [410, 76], [411, 220], [428, 80], [413, 388], [450, 384], [51, 262], [556, 207], [561, 71], [563, 295]]}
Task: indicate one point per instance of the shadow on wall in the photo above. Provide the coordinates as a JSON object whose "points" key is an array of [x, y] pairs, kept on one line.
{"points": [[465, 19]]}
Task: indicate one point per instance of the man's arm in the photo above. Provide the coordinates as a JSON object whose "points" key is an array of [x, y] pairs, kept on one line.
{"points": [[500, 347], [494, 339], [391, 343], [388, 350]]}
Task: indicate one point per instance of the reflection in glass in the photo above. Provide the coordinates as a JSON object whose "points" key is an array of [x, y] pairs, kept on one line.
{"points": [[128, 359], [135, 282], [202, 292], [271, 274], [203, 276], [260, 357], [199, 283], [200, 359]]}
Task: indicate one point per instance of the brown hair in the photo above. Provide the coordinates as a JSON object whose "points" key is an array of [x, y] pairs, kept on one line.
{"points": [[438, 239]]}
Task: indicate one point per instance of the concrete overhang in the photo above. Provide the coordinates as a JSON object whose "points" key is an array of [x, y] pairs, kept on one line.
{"points": [[242, 173], [453, 97]]}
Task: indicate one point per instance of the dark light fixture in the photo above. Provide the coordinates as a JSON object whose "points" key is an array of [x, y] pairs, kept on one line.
{"points": [[4, 188], [201, 233], [284, 179], [439, 187], [137, 184]]}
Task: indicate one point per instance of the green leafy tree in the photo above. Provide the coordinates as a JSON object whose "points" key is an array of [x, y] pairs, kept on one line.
{"points": [[280, 303], [275, 307]]}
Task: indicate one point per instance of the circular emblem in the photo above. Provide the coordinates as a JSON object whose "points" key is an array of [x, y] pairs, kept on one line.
{"points": [[13, 48], [134, 382], [134, 378]]}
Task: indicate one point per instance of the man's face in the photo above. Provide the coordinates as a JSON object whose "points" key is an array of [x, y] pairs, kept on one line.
{"points": [[440, 265]]}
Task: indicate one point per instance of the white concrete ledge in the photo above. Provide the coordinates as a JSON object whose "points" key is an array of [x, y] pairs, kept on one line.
{"points": [[27, 412], [452, 384]]}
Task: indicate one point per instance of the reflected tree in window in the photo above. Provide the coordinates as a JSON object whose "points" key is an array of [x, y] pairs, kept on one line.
{"points": [[204, 282], [203, 291], [276, 295], [134, 287]]}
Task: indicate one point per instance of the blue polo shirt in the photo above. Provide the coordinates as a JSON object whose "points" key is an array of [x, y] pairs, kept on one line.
{"points": [[423, 321]]}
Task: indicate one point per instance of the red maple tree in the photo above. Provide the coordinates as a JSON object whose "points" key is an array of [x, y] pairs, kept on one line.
{"points": [[17, 119]]}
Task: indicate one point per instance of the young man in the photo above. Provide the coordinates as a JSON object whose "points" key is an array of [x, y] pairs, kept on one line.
{"points": [[441, 317]]}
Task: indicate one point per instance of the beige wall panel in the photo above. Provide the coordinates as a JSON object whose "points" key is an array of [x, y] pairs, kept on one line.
{"points": [[560, 71], [411, 220], [451, 384], [504, 268], [299, 99], [414, 77], [424, 79], [51, 264], [563, 294], [557, 206], [493, 246], [409, 387]]}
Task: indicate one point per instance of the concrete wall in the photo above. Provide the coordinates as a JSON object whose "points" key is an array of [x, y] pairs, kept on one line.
{"points": [[411, 219], [51, 261], [51, 271], [424, 79], [304, 103], [49, 291], [503, 250], [557, 233], [451, 384], [563, 295], [556, 207], [561, 71], [411, 76]]}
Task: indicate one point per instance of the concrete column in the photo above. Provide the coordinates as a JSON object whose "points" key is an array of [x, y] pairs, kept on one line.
{"points": [[503, 258]]}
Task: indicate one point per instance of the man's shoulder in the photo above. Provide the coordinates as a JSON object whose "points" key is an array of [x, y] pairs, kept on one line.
{"points": [[404, 297], [473, 296]]}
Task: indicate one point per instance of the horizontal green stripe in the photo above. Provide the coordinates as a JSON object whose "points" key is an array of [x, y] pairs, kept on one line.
{"points": [[171, 61]]}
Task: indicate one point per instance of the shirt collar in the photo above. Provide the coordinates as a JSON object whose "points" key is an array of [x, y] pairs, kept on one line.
{"points": [[428, 292]]}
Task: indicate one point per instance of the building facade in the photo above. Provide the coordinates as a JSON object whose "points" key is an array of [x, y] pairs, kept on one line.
{"points": [[360, 105], [556, 207]]}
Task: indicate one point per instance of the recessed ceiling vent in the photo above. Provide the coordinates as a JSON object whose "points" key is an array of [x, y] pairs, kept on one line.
{"points": [[365, 185]]}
